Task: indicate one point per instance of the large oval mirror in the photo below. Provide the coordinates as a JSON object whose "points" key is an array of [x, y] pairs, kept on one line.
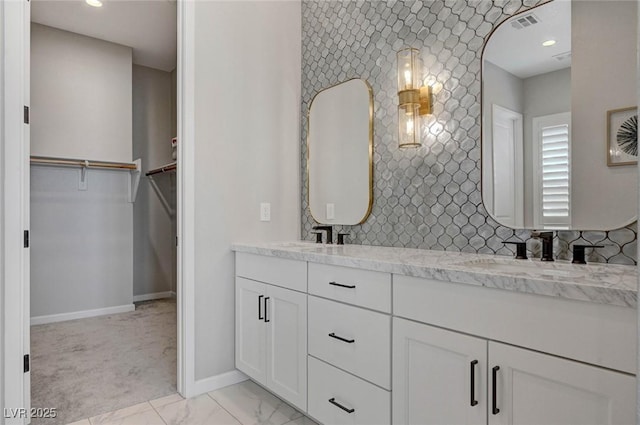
{"points": [[340, 153], [559, 120]]}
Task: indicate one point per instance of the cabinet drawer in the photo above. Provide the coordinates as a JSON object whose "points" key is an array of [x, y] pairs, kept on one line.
{"points": [[368, 355], [369, 405], [283, 272], [354, 286]]}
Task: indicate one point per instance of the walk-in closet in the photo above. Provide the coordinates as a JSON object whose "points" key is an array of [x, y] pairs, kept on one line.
{"points": [[103, 205]]}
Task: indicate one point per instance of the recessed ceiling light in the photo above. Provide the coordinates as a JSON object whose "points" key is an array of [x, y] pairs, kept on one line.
{"points": [[94, 3], [544, 43]]}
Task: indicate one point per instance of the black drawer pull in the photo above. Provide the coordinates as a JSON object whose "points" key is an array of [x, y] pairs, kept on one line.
{"points": [[260, 297], [474, 402], [348, 341], [495, 409], [335, 403], [266, 319], [342, 286]]}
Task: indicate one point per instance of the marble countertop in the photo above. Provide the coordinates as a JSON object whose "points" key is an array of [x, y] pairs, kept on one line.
{"points": [[595, 282]]}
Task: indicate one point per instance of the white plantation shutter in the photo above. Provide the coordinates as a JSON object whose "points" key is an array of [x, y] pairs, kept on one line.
{"points": [[555, 173], [553, 136]]}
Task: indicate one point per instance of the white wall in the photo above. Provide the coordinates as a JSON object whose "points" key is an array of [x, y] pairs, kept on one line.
{"points": [[81, 240], [544, 94], [154, 210], [501, 88], [247, 115], [81, 96], [604, 62]]}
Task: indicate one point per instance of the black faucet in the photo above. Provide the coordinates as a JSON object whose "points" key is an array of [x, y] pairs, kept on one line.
{"points": [[341, 238], [327, 229], [547, 244], [578, 253], [521, 249]]}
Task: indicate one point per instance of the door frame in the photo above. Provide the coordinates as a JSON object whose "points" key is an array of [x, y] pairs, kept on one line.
{"points": [[14, 179], [14, 283], [185, 186]]}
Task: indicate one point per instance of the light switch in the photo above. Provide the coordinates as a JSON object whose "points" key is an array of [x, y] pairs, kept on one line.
{"points": [[265, 211], [331, 211]]}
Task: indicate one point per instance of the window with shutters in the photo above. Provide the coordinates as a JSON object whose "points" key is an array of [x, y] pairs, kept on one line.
{"points": [[552, 171]]}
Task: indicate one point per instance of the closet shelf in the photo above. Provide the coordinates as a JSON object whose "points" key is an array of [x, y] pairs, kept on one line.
{"points": [[65, 162], [164, 169], [134, 168]]}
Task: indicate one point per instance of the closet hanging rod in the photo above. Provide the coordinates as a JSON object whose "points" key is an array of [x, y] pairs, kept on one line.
{"points": [[41, 160], [163, 169]]}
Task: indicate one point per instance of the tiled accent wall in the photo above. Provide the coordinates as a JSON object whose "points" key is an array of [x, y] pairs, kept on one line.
{"points": [[428, 197]]}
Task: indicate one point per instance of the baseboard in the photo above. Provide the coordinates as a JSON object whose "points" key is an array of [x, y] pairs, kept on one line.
{"points": [[173, 294], [52, 318], [219, 381], [152, 296]]}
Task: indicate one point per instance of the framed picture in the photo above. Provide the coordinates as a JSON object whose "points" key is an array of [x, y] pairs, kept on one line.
{"points": [[622, 136]]}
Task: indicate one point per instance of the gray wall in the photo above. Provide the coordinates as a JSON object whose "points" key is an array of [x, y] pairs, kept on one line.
{"points": [[506, 90], [428, 197], [154, 210], [82, 244], [81, 241], [602, 63], [80, 96], [544, 94], [247, 130]]}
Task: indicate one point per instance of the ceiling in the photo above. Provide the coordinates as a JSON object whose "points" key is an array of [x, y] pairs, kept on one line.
{"points": [[149, 27], [520, 51]]}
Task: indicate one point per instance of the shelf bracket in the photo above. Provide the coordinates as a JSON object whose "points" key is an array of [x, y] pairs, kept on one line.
{"points": [[82, 184], [135, 180]]}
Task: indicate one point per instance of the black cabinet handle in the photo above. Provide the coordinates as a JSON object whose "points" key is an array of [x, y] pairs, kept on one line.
{"points": [[260, 307], [473, 383], [341, 285], [348, 341], [266, 319], [494, 394], [335, 403]]}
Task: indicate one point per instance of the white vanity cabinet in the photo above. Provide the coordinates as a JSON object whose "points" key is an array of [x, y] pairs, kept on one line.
{"points": [[349, 345], [363, 344], [439, 376], [439, 373], [535, 388], [271, 334]]}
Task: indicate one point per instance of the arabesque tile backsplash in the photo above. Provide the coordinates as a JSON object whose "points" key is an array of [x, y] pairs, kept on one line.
{"points": [[428, 197]]}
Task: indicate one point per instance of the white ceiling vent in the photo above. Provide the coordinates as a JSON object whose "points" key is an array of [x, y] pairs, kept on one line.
{"points": [[525, 21], [564, 56]]}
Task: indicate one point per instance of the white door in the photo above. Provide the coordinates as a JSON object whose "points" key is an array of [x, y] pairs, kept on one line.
{"points": [[508, 167], [286, 317], [15, 16], [251, 352], [539, 389], [439, 376]]}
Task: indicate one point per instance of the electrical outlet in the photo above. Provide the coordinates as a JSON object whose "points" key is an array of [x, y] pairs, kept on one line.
{"points": [[265, 211], [331, 211]]}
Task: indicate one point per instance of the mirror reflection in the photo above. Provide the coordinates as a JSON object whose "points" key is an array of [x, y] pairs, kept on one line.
{"points": [[340, 149], [551, 78]]}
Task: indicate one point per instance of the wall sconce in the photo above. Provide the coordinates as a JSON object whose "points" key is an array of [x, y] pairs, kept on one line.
{"points": [[414, 99]]}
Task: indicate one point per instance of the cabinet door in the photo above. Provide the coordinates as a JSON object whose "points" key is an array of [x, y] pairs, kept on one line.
{"points": [[251, 353], [286, 317], [539, 389], [439, 376]]}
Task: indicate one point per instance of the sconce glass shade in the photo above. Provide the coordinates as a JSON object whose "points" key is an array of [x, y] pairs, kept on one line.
{"points": [[409, 125], [408, 69]]}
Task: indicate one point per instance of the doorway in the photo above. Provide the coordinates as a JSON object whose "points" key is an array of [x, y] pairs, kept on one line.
{"points": [[103, 268]]}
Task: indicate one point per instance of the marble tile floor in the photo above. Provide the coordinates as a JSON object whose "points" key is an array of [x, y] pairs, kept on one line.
{"points": [[245, 403]]}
